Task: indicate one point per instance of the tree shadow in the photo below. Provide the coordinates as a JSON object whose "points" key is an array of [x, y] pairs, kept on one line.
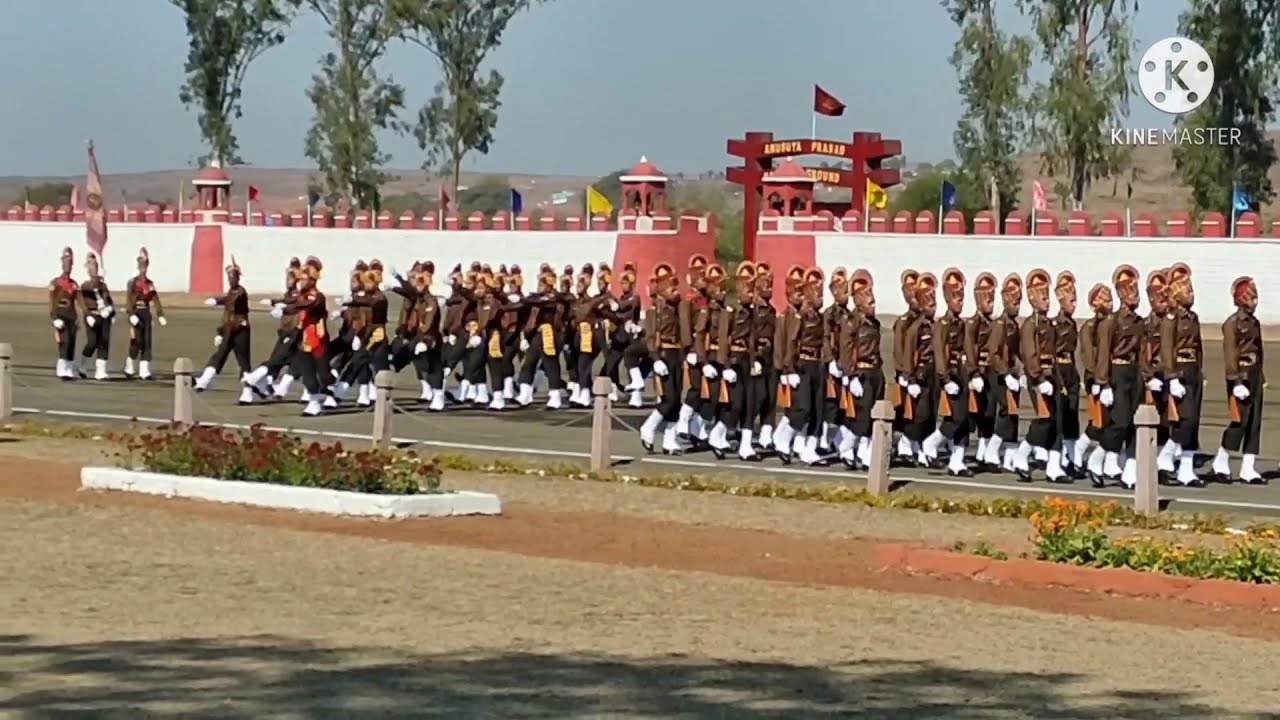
{"points": [[268, 676]]}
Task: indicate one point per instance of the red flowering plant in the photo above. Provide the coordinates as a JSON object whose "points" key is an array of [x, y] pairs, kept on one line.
{"points": [[260, 455]]}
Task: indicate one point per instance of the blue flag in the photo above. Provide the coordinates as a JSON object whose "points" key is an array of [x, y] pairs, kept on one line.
{"points": [[517, 201], [1241, 200], [950, 196], [313, 199]]}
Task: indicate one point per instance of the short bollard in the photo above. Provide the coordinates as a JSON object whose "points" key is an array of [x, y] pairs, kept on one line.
{"points": [[1146, 496], [184, 393], [601, 425], [6, 381], [881, 439], [383, 383]]}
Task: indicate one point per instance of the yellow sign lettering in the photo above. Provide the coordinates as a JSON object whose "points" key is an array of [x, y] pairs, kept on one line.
{"points": [[826, 177], [785, 147], [828, 148]]}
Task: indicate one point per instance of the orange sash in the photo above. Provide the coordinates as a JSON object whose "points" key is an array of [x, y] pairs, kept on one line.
{"points": [[1095, 412], [1173, 415], [944, 405], [1042, 407], [784, 395], [1233, 406]]}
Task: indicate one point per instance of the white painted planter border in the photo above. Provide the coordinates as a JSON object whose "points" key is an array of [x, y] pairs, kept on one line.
{"points": [[289, 497]]}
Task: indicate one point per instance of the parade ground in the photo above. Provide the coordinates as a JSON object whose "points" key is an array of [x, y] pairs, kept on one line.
{"points": [[529, 433]]}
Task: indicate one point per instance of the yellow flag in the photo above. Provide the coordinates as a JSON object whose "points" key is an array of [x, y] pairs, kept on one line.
{"points": [[598, 204], [876, 196]]}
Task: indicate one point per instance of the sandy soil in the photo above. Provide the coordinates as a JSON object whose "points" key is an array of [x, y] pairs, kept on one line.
{"points": [[145, 605]]}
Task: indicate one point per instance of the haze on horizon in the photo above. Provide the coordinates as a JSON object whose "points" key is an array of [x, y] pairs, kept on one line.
{"points": [[591, 85]]}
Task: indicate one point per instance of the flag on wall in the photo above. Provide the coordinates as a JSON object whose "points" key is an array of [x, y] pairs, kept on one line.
{"points": [[95, 216], [517, 202], [597, 203], [75, 198], [950, 196], [1241, 200], [824, 103], [254, 193], [1039, 199], [876, 196]]}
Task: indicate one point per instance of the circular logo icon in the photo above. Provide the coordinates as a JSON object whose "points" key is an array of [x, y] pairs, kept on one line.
{"points": [[1175, 75]]}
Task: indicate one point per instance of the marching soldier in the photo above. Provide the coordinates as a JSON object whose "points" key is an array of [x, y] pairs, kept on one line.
{"points": [[1037, 346], [232, 336], [404, 342], [428, 362], [707, 327], [783, 346], [668, 331], [694, 299], [1242, 357], [834, 316], [1182, 353], [862, 367], [1120, 340], [917, 349], [764, 372], [980, 376], [587, 340], [340, 350], [737, 358], [99, 312], [901, 363], [144, 311], [1089, 451], [1067, 380], [624, 348], [491, 309], [952, 378], [64, 293], [800, 352], [370, 344], [544, 330], [1153, 372], [1006, 385], [259, 382], [309, 360]]}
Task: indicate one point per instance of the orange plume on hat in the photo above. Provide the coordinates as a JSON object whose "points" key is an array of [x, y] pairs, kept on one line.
{"points": [[795, 274], [697, 262], [814, 276], [67, 252], [861, 280], [361, 266], [1100, 295], [294, 262], [764, 268], [746, 270], [663, 272], [1065, 278], [1179, 272], [1012, 282], [1157, 280], [1241, 286], [909, 277], [953, 278], [985, 282], [1038, 279], [375, 264], [926, 284], [715, 273], [143, 256], [1124, 275]]}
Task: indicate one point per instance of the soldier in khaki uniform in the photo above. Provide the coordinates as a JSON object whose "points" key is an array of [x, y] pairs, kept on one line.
{"points": [[1153, 372], [907, 283], [1242, 352], [737, 358], [1006, 382], [952, 379], [145, 311], [1089, 452], [1182, 356], [64, 293], [833, 431], [693, 299], [232, 336], [1066, 338], [918, 410], [764, 373], [981, 378], [271, 378], [99, 312], [1120, 347], [711, 327], [668, 332], [1037, 345], [862, 369], [798, 356]]}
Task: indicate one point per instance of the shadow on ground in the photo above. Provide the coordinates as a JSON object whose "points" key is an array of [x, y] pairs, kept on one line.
{"points": [[278, 677]]}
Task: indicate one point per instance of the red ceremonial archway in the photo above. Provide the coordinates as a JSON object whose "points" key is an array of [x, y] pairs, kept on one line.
{"points": [[866, 151]]}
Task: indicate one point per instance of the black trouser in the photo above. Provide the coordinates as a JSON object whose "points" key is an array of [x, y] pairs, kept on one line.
{"points": [[402, 354], [1184, 412], [710, 397], [859, 421], [475, 361], [97, 337], [510, 351], [544, 352], [1127, 393], [613, 356], [369, 360], [920, 413], [429, 365], [453, 353], [140, 335], [281, 351], [312, 371], [765, 397], [66, 337], [1068, 402], [1245, 434], [1042, 431], [1159, 400], [235, 341], [670, 392], [832, 412], [805, 412], [636, 355], [692, 393], [953, 410], [983, 418], [1004, 404], [587, 346], [495, 359], [736, 413]]}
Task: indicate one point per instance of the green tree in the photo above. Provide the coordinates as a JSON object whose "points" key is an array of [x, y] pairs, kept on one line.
{"points": [[54, 194], [488, 196], [1087, 45], [924, 192], [1242, 38], [224, 37], [610, 186], [992, 66], [415, 202], [353, 102], [461, 116]]}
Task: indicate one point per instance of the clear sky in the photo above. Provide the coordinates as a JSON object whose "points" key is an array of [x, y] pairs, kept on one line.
{"points": [[591, 84]]}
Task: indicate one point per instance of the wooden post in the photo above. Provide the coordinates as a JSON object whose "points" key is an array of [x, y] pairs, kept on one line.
{"points": [[601, 425], [183, 393], [383, 383], [1146, 496], [6, 381], [881, 439]]}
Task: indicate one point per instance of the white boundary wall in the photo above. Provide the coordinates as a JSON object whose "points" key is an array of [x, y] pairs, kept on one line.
{"points": [[32, 253]]}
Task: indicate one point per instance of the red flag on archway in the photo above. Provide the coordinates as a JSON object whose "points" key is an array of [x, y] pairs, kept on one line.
{"points": [[95, 214], [824, 103]]}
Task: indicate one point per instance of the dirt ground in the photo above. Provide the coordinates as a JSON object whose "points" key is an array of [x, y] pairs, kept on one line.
{"points": [[581, 601]]}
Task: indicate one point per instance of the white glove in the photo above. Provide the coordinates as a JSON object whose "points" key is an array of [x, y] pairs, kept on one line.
{"points": [[106, 311], [902, 381], [730, 376], [951, 388], [1177, 389], [757, 368], [277, 311], [58, 324], [474, 341], [513, 298], [844, 381], [1155, 385], [419, 348], [335, 314], [793, 380], [709, 372], [632, 328], [217, 340], [524, 344], [162, 320], [660, 368], [855, 387], [265, 302], [356, 343], [1107, 397], [1022, 382], [133, 320], [1095, 389], [450, 339], [691, 359], [91, 320], [613, 305], [1045, 388], [913, 390], [1240, 392], [833, 369], [210, 301], [977, 384], [1012, 383]]}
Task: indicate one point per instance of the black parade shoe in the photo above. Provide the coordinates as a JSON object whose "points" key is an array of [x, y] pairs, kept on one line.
{"points": [[1062, 480], [965, 473], [718, 453], [1024, 476], [1222, 478], [1097, 480], [676, 452], [1255, 481], [752, 458], [648, 446], [785, 457], [849, 463], [1197, 483]]}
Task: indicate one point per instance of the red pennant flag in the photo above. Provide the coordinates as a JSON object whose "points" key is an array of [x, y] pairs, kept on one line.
{"points": [[824, 103], [95, 214], [254, 193]]}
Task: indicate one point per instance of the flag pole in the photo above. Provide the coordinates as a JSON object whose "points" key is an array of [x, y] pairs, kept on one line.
{"points": [[1235, 188], [1128, 221], [182, 186], [813, 125], [866, 208], [942, 192]]}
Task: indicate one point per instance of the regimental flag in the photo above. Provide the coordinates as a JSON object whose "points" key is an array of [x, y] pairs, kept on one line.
{"points": [[597, 203], [95, 215], [254, 193], [75, 198], [1039, 198], [876, 196], [824, 103], [1241, 200], [517, 202], [950, 196]]}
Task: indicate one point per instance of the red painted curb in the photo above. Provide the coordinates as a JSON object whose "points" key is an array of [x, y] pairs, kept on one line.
{"points": [[1118, 581]]}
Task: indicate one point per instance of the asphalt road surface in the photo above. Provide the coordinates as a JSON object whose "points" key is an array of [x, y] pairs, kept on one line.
{"points": [[531, 433]]}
